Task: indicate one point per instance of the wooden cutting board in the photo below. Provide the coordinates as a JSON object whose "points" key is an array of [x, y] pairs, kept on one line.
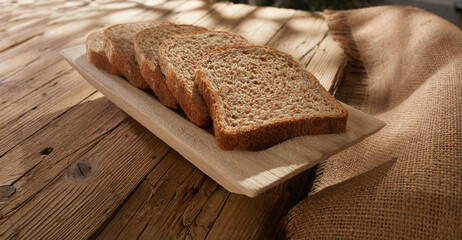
{"points": [[243, 172]]}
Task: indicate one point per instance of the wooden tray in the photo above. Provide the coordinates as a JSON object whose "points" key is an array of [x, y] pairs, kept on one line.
{"points": [[243, 172]]}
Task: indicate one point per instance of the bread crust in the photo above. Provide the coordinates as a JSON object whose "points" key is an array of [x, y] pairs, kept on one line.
{"points": [[156, 82], [100, 60], [195, 114], [120, 62], [154, 77], [270, 134], [128, 69]]}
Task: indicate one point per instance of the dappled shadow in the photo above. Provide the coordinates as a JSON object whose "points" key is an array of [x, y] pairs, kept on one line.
{"points": [[76, 21]]}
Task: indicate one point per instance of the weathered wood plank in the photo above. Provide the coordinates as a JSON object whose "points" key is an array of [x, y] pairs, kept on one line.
{"points": [[202, 213], [297, 37], [14, 89], [165, 211], [263, 23], [29, 167], [41, 181], [20, 33], [138, 202], [169, 193], [169, 223], [72, 30], [25, 116], [78, 202], [327, 63], [181, 202], [226, 18], [259, 218], [193, 12]]}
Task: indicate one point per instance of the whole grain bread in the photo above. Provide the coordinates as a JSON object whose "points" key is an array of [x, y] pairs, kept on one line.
{"points": [[147, 43], [119, 48], [96, 55], [177, 59], [259, 96]]}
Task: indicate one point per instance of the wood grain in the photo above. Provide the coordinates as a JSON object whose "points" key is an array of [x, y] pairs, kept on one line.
{"points": [[327, 63], [30, 113], [50, 150], [299, 38], [111, 173], [53, 186]]}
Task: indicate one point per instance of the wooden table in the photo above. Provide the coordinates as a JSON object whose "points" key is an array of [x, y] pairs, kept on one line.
{"points": [[73, 165]]}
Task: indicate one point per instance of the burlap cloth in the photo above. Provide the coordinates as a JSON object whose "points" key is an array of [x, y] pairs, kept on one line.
{"points": [[405, 67]]}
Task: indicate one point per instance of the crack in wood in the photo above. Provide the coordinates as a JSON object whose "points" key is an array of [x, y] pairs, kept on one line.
{"points": [[211, 224], [146, 180], [187, 221], [84, 168], [314, 48], [280, 28], [131, 217], [237, 23], [79, 169], [209, 13]]}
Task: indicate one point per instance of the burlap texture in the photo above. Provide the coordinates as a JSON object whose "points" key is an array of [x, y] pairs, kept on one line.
{"points": [[405, 67]]}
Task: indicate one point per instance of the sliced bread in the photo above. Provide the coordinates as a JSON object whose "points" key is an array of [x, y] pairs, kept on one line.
{"points": [[259, 96], [147, 43], [120, 51], [96, 54], [177, 59]]}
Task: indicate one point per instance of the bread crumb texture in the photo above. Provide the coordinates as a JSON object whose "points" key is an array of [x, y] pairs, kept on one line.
{"points": [[183, 51], [149, 40], [259, 95], [122, 36]]}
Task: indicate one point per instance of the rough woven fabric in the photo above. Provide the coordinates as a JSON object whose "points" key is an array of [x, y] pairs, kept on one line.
{"points": [[405, 67]]}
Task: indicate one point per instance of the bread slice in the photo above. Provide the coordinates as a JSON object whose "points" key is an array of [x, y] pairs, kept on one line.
{"points": [[96, 54], [177, 59], [259, 96], [120, 52], [147, 43]]}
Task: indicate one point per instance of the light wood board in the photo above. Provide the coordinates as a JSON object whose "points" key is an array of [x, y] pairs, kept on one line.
{"points": [[244, 172]]}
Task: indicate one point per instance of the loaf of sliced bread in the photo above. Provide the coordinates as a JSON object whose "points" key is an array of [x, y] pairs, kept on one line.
{"points": [[259, 96], [147, 43], [120, 51], [96, 54], [177, 59]]}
